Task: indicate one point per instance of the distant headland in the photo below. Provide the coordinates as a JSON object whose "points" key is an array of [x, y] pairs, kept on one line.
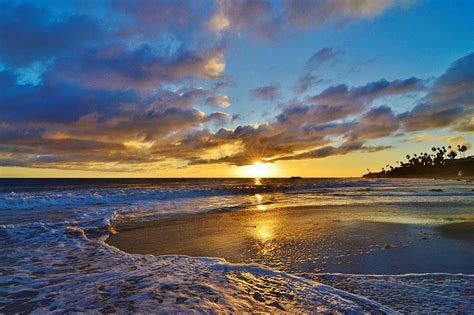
{"points": [[441, 162]]}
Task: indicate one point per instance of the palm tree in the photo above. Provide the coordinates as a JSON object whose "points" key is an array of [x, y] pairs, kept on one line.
{"points": [[462, 149]]}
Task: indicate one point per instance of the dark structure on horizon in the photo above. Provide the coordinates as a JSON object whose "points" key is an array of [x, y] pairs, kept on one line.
{"points": [[441, 162]]}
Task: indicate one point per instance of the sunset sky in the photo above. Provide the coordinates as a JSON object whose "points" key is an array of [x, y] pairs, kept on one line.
{"points": [[313, 88]]}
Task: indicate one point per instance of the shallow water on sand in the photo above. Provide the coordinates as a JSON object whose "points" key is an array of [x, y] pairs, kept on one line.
{"points": [[53, 256], [312, 239]]}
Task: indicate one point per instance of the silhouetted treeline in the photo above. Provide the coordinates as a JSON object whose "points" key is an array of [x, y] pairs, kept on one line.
{"points": [[440, 162]]}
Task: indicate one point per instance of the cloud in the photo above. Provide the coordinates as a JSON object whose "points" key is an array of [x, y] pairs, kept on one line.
{"points": [[315, 13], [378, 122], [304, 132], [47, 103], [425, 116], [30, 34], [327, 151], [153, 128], [128, 138], [323, 56], [455, 86], [150, 19], [219, 101], [119, 67], [453, 140], [337, 121], [266, 93], [305, 82], [263, 19], [341, 101], [450, 102], [297, 115], [65, 125], [255, 17], [166, 125], [342, 94]]}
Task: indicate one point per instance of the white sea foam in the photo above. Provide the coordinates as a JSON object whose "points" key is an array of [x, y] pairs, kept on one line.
{"points": [[68, 272]]}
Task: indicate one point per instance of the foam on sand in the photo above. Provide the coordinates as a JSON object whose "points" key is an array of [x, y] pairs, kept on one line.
{"points": [[65, 271]]}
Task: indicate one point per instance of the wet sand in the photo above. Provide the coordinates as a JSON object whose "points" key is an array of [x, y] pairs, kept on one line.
{"points": [[307, 240], [460, 230]]}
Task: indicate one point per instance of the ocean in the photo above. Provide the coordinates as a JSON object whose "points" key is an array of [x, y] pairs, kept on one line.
{"points": [[54, 256]]}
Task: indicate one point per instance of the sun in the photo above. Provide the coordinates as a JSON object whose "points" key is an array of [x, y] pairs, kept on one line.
{"points": [[258, 170]]}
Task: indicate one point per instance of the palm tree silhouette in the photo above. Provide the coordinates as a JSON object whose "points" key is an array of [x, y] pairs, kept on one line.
{"points": [[424, 162]]}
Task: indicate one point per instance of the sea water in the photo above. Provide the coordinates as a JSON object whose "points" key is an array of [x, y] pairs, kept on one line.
{"points": [[53, 255]]}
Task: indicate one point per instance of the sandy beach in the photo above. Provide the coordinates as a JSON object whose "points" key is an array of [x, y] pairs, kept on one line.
{"points": [[307, 239]]}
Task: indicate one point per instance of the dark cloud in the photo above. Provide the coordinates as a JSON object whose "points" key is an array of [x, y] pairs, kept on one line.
{"points": [[342, 94], [28, 33], [61, 103], [425, 116], [118, 67], [378, 122], [450, 102], [297, 115], [455, 86], [266, 93]]}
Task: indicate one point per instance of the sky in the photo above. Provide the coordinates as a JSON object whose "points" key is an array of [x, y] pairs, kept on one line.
{"points": [[157, 88]]}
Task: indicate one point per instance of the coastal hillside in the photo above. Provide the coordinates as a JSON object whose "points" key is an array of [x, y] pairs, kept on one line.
{"points": [[441, 162]]}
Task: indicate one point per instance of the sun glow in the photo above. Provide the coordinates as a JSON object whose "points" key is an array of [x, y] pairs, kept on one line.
{"points": [[258, 170]]}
